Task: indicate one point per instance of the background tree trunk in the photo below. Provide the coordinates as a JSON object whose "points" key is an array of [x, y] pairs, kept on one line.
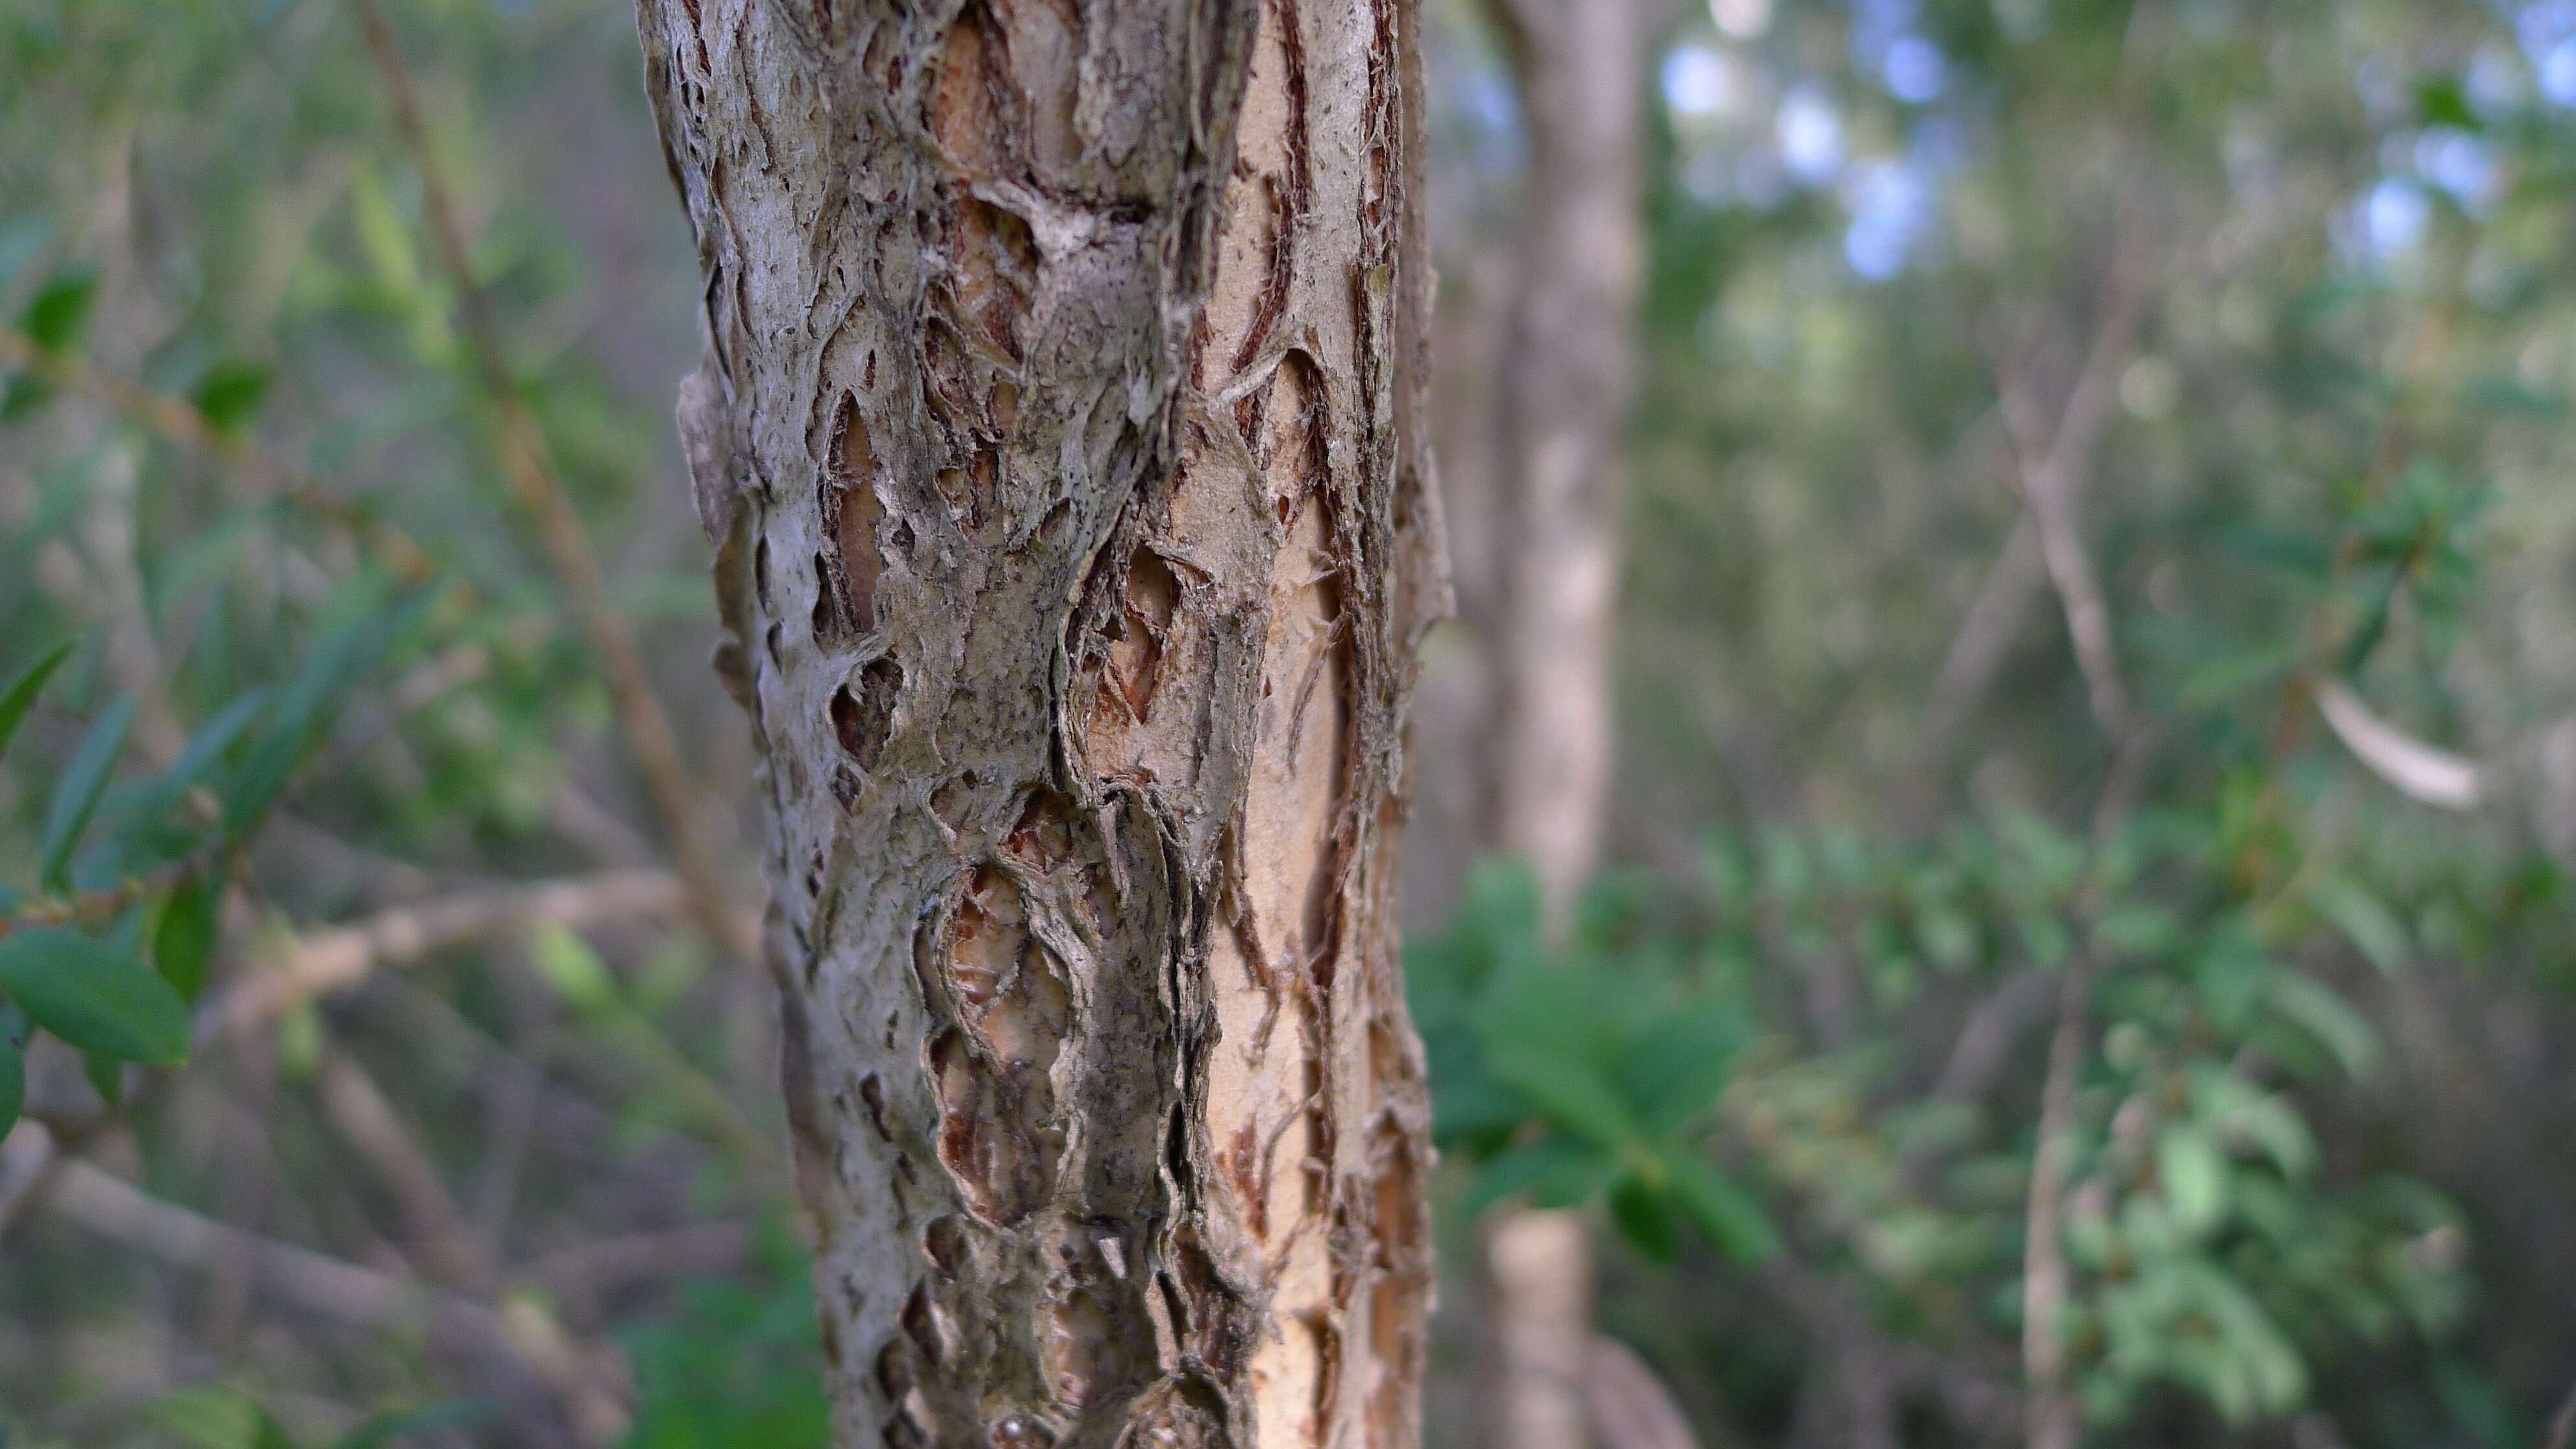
{"points": [[1565, 379], [1059, 430]]}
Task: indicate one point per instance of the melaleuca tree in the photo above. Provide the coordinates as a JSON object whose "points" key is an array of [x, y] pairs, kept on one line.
{"points": [[1058, 434]]}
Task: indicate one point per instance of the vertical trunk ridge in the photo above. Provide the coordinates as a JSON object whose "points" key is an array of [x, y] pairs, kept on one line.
{"points": [[1058, 438]]}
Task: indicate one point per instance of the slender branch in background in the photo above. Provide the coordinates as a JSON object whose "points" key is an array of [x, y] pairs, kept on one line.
{"points": [[89, 908], [438, 1228], [2562, 1425], [2055, 1420], [327, 960], [2055, 465], [528, 464], [107, 1205], [2424, 773]]}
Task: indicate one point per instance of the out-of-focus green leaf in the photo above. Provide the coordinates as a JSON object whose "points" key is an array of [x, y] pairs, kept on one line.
{"points": [[2195, 1177], [304, 709], [1731, 1217], [14, 1029], [2366, 920], [2331, 1019], [59, 310], [93, 997], [1645, 1218], [106, 1076], [84, 778], [573, 969], [1674, 1070], [21, 694], [1555, 1172], [1568, 1087], [230, 394], [183, 935]]}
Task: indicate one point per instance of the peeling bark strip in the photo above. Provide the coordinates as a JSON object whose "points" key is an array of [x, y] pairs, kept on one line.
{"points": [[1058, 433]]}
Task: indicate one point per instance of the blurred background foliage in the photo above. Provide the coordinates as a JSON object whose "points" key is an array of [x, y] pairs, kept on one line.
{"points": [[2243, 936]]}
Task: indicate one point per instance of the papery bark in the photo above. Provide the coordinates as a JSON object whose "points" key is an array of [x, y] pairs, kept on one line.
{"points": [[1059, 433]]}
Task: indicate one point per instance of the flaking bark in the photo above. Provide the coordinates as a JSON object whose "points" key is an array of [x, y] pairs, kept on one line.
{"points": [[1058, 433]]}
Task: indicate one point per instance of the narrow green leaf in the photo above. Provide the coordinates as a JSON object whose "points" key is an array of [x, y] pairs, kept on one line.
{"points": [[54, 319], [1556, 1172], [573, 969], [14, 1028], [84, 779], [1677, 1067], [1645, 1218], [22, 692], [1721, 1208], [304, 710], [2194, 1173], [93, 997], [2332, 1020], [1567, 1087], [230, 394], [183, 938], [106, 1076], [2373, 928]]}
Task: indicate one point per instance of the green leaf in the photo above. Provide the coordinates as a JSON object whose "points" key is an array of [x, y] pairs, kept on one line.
{"points": [[93, 997], [1554, 1172], [2324, 1014], [2194, 1171], [2373, 928], [1567, 1088], [1731, 1217], [1646, 1219], [183, 937], [54, 319], [83, 780], [230, 394], [14, 1028], [106, 1076], [1676, 1068], [22, 692], [573, 969], [304, 710]]}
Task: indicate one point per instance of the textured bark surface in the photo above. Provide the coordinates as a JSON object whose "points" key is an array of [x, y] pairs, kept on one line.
{"points": [[1566, 367], [1058, 431]]}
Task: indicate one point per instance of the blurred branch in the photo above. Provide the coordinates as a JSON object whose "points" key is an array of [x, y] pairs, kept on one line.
{"points": [[2421, 772], [2562, 1425], [2055, 1419], [2053, 466], [112, 1208], [327, 960], [581, 1274], [528, 463], [360, 1113]]}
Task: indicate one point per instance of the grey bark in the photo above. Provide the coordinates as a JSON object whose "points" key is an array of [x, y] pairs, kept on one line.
{"points": [[1059, 433]]}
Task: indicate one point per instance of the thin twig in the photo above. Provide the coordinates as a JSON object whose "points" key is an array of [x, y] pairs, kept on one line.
{"points": [[327, 960], [528, 464], [113, 1208], [359, 1111], [2562, 1425], [2055, 1421]]}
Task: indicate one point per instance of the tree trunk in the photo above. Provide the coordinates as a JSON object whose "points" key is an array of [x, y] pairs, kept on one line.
{"points": [[1566, 375], [1059, 430]]}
